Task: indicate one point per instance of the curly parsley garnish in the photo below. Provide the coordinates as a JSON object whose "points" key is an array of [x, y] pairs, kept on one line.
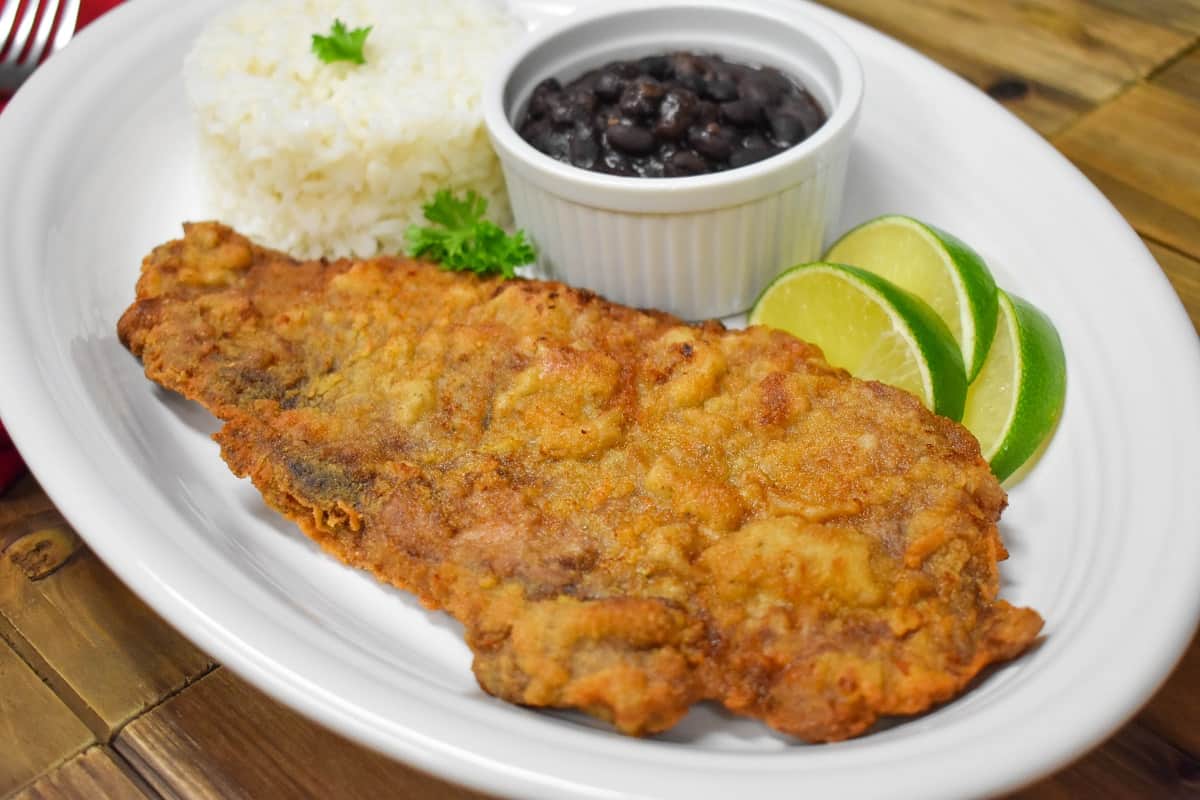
{"points": [[462, 240], [341, 44]]}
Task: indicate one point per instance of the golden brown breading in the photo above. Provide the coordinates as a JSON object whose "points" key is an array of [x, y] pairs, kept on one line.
{"points": [[628, 514]]}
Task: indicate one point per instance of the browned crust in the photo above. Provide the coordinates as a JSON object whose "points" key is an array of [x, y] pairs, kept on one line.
{"points": [[627, 514]]}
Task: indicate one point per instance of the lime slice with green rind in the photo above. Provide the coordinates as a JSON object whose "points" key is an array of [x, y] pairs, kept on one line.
{"points": [[870, 327], [1015, 403], [935, 266]]}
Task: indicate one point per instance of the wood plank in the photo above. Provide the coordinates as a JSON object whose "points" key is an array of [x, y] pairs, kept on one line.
{"points": [[91, 775], [1182, 15], [1042, 106], [24, 503], [1174, 713], [1183, 76], [1184, 274], [221, 738], [1142, 150], [37, 729], [1045, 108], [1133, 764], [102, 650], [1087, 50]]}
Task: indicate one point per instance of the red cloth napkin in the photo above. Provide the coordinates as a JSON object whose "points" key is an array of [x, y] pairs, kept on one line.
{"points": [[90, 9], [11, 465]]}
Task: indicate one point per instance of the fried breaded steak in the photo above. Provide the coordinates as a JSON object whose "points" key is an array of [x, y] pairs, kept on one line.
{"points": [[628, 514]]}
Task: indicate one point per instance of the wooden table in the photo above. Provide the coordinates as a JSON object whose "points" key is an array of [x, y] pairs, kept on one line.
{"points": [[99, 697]]}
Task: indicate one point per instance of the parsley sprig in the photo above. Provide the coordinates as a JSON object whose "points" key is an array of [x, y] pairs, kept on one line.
{"points": [[341, 44], [460, 239]]}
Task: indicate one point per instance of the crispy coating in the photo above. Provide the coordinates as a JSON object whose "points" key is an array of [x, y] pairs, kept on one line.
{"points": [[628, 514]]}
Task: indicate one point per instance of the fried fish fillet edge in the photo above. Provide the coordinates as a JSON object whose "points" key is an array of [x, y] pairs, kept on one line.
{"points": [[690, 670]]}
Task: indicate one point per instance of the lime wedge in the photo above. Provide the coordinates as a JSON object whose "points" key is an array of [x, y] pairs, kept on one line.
{"points": [[1015, 403], [870, 327], [935, 266]]}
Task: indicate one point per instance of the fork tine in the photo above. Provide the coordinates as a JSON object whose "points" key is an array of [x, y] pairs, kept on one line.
{"points": [[21, 37], [8, 15], [49, 12], [66, 26]]}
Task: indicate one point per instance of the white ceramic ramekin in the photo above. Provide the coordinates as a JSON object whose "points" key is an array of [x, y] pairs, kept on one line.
{"points": [[701, 246]]}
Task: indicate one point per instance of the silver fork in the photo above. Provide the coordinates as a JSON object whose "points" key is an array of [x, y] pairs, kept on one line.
{"points": [[25, 53]]}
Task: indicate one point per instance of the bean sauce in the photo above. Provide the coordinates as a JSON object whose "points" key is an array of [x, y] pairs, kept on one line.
{"points": [[670, 116]]}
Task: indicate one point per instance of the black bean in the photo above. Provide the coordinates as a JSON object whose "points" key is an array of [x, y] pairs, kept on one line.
{"points": [[796, 118], [776, 80], [608, 86], [685, 162], [559, 109], [541, 94], [750, 155], [743, 111], [753, 140], [650, 168], [584, 100], [630, 139], [758, 90], [534, 129], [711, 141], [554, 143], [719, 90], [666, 115], [722, 72], [625, 69], [616, 164], [693, 83], [655, 66], [807, 110], [586, 81], [583, 148], [707, 111], [685, 64], [675, 114], [641, 97], [786, 126]]}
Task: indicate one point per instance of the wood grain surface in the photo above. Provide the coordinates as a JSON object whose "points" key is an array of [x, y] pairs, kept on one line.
{"points": [[1049, 61], [1135, 763], [105, 653], [94, 773], [37, 729], [1184, 274], [1174, 713], [1143, 151], [1182, 76], [223, 739], [100, 698]]}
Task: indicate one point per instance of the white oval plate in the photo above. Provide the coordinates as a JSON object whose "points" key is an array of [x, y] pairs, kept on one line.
{"points": [[96, 168]]}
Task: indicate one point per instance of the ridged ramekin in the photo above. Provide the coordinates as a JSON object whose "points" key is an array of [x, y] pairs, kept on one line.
{"points": [[701, 246]]}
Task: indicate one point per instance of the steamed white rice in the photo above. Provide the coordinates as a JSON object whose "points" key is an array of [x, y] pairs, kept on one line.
{"points": [[336, 159]]}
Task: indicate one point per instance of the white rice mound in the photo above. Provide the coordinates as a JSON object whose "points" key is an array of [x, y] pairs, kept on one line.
{"points": [[336, 159]]}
